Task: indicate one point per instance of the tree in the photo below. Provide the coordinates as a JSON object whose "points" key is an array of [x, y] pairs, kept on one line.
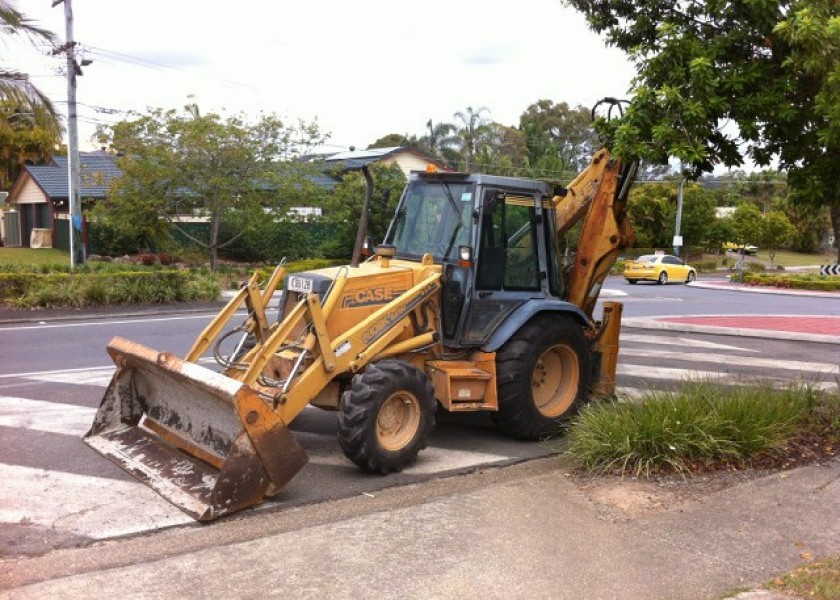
{"points": [[649, 209], [441, 142], [393, 139], [762, 187], [503, 151], [472, 132], [809, 220], [557, 135], [342, 208], [222, 168], [719, 82], [776, 233], [747, 224], [30, 127], [697, 216], [23, 138]]}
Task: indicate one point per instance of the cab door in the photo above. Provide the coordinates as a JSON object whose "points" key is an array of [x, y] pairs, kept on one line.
{"points": [[508, 263]]}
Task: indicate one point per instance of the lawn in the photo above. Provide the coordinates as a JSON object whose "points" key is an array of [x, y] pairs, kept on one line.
{"points": [[33, 256], [787, 258]]}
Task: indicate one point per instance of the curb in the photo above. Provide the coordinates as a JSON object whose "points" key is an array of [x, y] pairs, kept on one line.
{"points": [[729, 287]]}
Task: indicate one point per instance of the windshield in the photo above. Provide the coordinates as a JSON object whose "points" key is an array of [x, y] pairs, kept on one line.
{"points": [[434, 218]]}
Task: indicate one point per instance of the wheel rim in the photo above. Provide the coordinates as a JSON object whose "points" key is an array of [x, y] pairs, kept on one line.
{"points": [[691, 277], [555, 380], [663, 277], [398, 420]]}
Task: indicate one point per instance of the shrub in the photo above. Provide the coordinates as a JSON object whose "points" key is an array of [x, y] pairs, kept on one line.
{"points": [[701, 423], [705, 266], [106, 287], [798, 281]]}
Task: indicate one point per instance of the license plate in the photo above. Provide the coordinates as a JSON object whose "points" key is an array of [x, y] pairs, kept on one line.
{"points": [[300, 284]]}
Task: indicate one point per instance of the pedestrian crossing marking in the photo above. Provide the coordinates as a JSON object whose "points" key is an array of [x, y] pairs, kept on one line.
{"points": [[93, 507], [50, 417], [682, 342], [736, 361], [679, 375]]}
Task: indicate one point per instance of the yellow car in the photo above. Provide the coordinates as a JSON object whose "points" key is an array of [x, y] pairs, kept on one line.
{"points": [[747, 248], [660, 268]]}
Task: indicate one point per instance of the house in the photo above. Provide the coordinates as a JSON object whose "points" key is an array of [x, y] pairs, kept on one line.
{"points": [[406, 158], [37, 207]]}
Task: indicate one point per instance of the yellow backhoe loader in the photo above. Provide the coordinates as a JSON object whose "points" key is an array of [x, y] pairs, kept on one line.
{"points": [[471, 304]]}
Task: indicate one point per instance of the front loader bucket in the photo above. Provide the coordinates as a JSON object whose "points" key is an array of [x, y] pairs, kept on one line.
{"points": [[207, 443]]}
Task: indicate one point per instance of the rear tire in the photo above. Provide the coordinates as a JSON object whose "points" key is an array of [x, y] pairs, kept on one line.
{"points": [[543, 375], [663, 278], [386, 416], [632, 281]]}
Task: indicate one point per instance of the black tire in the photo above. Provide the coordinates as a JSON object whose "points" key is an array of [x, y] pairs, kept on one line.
{"points": [[543, 374], [632, 281], [386, 416], [663, 278], [691, 277]]}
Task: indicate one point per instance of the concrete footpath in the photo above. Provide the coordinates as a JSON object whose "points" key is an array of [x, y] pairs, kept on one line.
{"points": [[528, 531]]}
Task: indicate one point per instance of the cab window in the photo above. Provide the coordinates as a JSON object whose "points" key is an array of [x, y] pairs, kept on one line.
{"points": [[508, 248]]}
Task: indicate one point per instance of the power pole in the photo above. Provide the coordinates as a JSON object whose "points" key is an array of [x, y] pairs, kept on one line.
{"points": [[678, 241], [77, 247]]}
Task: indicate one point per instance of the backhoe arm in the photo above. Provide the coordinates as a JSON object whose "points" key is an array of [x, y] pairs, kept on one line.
{"points": [[598, 195]]}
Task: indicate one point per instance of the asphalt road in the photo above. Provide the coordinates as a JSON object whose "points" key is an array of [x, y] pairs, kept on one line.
{"points": [[59, 493]]}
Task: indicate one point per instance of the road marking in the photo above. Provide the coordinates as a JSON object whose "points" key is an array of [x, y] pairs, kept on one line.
{"points": [[83, 375], [50, 417], [677, 375], [430, 460], [97, 322], [98, 377], [685, 342], [56, 371], [92, 507], [735, 361]]}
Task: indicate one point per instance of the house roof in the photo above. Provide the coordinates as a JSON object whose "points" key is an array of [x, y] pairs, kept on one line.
{"points": [[353, 160], [96, 172]]}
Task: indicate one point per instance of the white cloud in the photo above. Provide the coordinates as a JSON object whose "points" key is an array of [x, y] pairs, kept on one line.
{"points": [[363, 69]]}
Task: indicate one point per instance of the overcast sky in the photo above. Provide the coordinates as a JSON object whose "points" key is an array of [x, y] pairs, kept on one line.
{"points": [[362, 69]]}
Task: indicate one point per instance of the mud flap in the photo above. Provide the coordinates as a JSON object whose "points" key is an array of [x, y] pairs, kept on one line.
{"points": [[207, 443]]}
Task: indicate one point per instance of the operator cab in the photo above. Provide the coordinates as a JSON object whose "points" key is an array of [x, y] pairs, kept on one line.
{"points": [[494, 236]]}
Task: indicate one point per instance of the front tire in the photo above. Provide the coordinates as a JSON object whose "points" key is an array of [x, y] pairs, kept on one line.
{"points": [[386, 416], [543, 375], [691, 277], [663, 278]]}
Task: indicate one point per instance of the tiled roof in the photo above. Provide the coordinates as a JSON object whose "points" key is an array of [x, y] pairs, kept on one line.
{"points": [[96, 172]]}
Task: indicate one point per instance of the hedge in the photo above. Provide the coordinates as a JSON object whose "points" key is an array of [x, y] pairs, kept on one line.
{"points": [[797, 282], [76, 290]]}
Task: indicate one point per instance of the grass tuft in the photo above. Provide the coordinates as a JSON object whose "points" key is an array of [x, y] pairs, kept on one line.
{"points": [[701, 425], [819, 579]]}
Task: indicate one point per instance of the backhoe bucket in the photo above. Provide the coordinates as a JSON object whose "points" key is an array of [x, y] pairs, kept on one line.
{"points": [[207, 443]]}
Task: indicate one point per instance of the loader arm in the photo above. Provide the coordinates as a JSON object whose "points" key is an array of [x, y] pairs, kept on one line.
{"points": [[214, 443]]}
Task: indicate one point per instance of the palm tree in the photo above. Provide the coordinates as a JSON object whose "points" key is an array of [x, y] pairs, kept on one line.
{"points": [[440, 142], [474, 128], [15, 87]]}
